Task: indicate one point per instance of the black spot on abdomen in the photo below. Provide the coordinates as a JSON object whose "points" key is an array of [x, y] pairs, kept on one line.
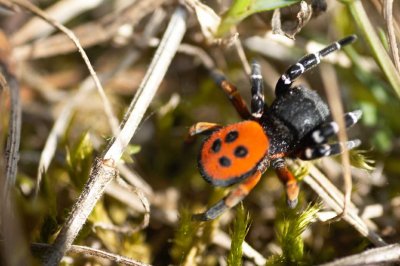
{"points": [[216, 146], [231, 136], [240, 151], [224, 161]]}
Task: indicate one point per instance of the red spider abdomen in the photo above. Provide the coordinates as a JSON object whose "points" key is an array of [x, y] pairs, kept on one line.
{"points": [[233, 153]]}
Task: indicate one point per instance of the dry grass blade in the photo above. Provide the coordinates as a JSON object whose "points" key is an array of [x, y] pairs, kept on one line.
{"points": [[63, 120], [388, 12], [89, 34], [157, 69], [92, 252], [65, 116], [242, 55], [334, 199], [62, 10], [104, 170], [113, 121], [332, 91], [14, 134], [222, 239], [386, 255], [10, 226]]}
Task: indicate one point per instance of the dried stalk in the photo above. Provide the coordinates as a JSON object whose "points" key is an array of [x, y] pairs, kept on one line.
{"points": [[89, 34], [388, 14], [87, 251], [66, 113], [113, 121], [333, 95], [242, 55], [157, 69], [387, 255], [63, 10], [145, 205], [104, 170], [14, 134], [65, 116], [10, 225], [334, 199]]}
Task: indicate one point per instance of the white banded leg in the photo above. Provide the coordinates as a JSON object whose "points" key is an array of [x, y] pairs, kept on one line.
{"points": [[306, 63], [323, 150], [329, 129], [257, 91]]}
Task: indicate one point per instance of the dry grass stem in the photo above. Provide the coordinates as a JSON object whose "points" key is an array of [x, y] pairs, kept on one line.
{"points": [[8, 83], [387, 255], [222, 239], [388, 14], [199, 53], [103, 171], [92, 252], [63, 10], [86, 87], [157, 69], [135, 179], [241, 54], [334, 199], [89, 34], [66, 113], [113, 121], [329, 79], [10, 225]]}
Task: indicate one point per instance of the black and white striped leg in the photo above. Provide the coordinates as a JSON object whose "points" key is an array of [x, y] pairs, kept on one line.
{"points": [[257, 91], [323, 132], [306, 63], [323, 150]]}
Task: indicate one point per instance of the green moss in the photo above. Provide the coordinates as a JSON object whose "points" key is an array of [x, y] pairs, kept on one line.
{"points": [[239, 230]]}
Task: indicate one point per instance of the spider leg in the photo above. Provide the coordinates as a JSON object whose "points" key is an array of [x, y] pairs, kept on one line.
{"points": [[322, 150], [306, 63], [200, 128], [232, 93], [233, 198], [257, 91], [324, 131], [288, 180]]}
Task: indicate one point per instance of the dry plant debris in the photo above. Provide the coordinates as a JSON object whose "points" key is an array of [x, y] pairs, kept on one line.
{"points": [[77, 188]]}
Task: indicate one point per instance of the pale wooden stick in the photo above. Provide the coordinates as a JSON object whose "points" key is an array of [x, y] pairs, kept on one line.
{"points": [[333, 95], [386, 255], [14, 135], [92, 252], [103, 170], [388, 12]]}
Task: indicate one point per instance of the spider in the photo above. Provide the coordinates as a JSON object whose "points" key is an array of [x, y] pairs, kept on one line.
{"points": [[296, 125]]}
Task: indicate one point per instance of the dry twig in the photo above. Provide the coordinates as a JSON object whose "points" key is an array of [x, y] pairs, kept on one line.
{"points": [[62, 10], [92, 252], [9, 83], [89, 34], [335, 199], [104, 170], [333, 95], [386, 255], [388, 14]]}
